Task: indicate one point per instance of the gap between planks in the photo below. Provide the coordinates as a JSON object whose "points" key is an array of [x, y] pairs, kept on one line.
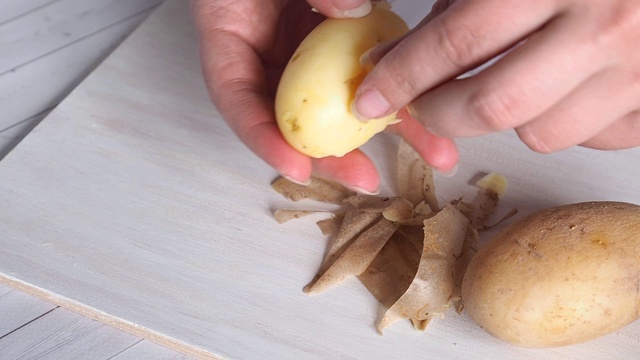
{"points": [[15, 9], [60, 68]]}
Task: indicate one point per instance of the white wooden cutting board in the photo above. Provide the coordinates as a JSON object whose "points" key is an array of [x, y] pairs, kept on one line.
{"points": [[134, 204]]}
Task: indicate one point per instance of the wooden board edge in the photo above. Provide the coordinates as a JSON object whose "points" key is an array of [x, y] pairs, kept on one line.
{"points": [[107, 319]]}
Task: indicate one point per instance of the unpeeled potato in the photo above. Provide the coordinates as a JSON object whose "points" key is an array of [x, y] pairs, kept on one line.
{"points": [[559, 276], [314, 96]]}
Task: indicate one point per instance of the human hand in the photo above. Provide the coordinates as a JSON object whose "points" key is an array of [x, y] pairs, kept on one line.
{"points": [[572, 75], [245, 46]]}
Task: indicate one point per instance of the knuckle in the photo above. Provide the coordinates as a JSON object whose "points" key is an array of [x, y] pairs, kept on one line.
{"points": [[459, 44], [491, 110], [614, 27], [406, 86], [399, 86]]}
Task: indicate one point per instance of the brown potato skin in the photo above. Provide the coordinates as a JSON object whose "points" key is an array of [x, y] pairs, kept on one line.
{"points": [[559, 276]]}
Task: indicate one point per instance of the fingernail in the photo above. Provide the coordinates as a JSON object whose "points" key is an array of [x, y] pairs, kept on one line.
{"points": [[362, 191], [423, 121], [365, 60], [449, 173], [296, 181], [354, 8], [370, 105], [412, 111]]}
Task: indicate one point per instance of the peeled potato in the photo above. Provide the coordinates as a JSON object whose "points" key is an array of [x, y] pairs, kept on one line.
{"points": [[559, 276], [313, 101]]}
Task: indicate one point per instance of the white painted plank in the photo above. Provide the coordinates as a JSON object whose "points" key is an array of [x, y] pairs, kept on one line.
{"points": [[62, 334], [12, 9], [43, 83], [148, 212], [59, 24], [17, 309]]}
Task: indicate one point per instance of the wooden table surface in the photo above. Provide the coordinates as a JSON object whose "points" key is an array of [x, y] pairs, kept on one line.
{"points": [[48, 47], [134, 204]]}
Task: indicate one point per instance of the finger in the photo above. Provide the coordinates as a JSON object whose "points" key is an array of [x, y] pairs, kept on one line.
{"points": [[464, 35], [517, 88], [354, 170], [623, 134], [440, 153], [342, 8], [374, 55], [583, 114], [239, 91]]}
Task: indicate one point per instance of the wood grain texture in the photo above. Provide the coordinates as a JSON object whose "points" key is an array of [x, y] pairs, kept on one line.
{"points": [[37, 71], [37, 340], [14, 9], [60, 23], [19, 309], [134, 203]]}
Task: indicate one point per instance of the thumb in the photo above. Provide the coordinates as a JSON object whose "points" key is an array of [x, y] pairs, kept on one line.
{"points": [[342, 8]]}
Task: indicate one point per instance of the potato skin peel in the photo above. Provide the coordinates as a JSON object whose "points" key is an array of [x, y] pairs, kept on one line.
{"points": [[314, 96], [560, 276]]}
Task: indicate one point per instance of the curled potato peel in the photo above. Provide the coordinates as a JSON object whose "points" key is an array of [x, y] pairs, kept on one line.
{"points": [[314, 96]]}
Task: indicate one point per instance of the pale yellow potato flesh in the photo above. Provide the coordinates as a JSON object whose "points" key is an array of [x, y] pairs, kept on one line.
{"points": [[561, 276], [314, 96]]}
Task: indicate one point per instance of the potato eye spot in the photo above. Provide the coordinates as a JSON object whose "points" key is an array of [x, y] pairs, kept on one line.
{"points": [[599, 242], [291, 122]]}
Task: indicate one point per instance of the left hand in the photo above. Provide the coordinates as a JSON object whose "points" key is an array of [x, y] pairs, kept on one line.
{"points": [[245, 46]]}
